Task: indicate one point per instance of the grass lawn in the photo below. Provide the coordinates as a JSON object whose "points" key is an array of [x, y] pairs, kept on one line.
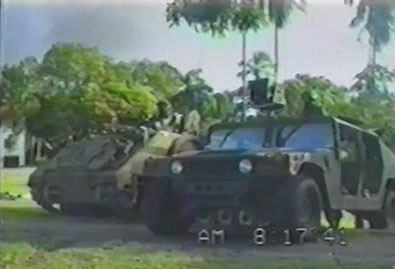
{"points": [[14, 181], [22, 255], [19, 251]]}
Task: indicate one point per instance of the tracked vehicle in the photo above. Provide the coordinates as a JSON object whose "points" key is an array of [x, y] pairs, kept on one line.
{"points": [[99, 175]]}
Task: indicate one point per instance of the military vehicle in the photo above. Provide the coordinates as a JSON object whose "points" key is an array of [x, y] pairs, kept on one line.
{"points": [[99, 175], [280, 173]]}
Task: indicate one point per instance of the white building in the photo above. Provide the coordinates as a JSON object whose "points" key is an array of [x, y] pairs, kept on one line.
{"points": [[15, 156]]}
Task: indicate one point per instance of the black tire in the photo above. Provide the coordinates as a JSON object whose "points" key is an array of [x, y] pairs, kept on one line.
{"points": [[161, 210], [73, 209], [358, 221], [84, 209], [298, 204], [37, 193], [385, 218]]}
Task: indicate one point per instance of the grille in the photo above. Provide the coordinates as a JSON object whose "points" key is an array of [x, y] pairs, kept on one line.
{"points": [[210, 166]]}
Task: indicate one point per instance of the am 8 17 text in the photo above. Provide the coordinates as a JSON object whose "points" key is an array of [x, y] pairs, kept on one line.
{"points": [[262, 236]]}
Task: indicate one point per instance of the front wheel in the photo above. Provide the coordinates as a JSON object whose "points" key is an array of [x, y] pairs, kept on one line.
{"points": [[45, 196], [298, 204], [161, 209]]}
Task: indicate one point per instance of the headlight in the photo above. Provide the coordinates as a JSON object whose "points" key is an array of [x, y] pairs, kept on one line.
{"points": [[245, 166], [176, 167]]}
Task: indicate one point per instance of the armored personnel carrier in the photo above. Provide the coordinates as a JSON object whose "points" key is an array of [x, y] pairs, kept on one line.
{"points": [[99, 175]]}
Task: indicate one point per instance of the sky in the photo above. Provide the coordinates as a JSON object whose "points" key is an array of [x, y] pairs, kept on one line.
{"points": [[317, 41]]}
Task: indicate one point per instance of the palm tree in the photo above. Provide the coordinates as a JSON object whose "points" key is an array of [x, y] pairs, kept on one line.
{"points": [[220, 16], [377, 18], [279, 11]]}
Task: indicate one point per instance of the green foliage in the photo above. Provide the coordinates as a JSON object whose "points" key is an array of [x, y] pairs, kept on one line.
{"points": [[323, 97], [199, 96], [117, 102], [319, 91], [18, 89], [205, 16], [218, 16], [260, 66], [374, 79], [377, 18], [164, 79], [11, 141], [280, 10], [57, 255], [75, 64], [248, 17], [378, 113], [76, 90]]}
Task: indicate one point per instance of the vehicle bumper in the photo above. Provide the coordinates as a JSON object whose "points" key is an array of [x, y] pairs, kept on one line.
{"points": [[233, 192], [212, 194]]}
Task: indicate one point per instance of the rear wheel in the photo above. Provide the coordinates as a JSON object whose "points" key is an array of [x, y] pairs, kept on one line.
{"points": [[298, 204], [161, 209], [385, 218]]}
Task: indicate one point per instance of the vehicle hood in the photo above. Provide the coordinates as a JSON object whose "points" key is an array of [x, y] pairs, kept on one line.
{"points": [[249, 152]]}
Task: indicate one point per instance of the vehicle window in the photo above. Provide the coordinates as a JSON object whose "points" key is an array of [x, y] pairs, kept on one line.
{"points": [[243, 138], [307, 136], [216, 138]]}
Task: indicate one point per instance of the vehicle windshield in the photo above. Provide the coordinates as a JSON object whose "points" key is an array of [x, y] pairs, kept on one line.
{"points": [[305, 136], [241, 138]]}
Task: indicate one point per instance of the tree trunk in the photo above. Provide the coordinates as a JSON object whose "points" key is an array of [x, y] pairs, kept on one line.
{"points": [[276, 56], [244, 61], [373, 50], [244, 74], [30, 146], [372, 61]]}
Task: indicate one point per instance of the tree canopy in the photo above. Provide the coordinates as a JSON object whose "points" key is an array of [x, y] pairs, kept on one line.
{"points": [[218, 16], [75, 91], [320, 96]]}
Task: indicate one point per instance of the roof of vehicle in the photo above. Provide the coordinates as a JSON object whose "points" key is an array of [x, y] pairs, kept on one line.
{"points": [[256, 122]]}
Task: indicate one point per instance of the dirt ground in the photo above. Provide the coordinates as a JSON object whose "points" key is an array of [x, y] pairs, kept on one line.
{"points": [[23, 221]]}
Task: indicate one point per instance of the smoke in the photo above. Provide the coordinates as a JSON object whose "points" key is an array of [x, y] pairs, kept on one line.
{"points": [[122, 30], [114, 28], [311, 43]]}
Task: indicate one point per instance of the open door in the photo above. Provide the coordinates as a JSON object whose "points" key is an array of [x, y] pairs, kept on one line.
{"points": [[372, 167], [351, 159]]}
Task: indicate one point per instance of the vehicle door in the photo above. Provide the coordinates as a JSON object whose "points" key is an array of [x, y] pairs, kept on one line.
{"points": [[372, 167], [351, 159]]}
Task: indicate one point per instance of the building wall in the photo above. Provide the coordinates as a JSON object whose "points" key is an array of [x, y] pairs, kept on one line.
{"points": [[17, 150]]}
